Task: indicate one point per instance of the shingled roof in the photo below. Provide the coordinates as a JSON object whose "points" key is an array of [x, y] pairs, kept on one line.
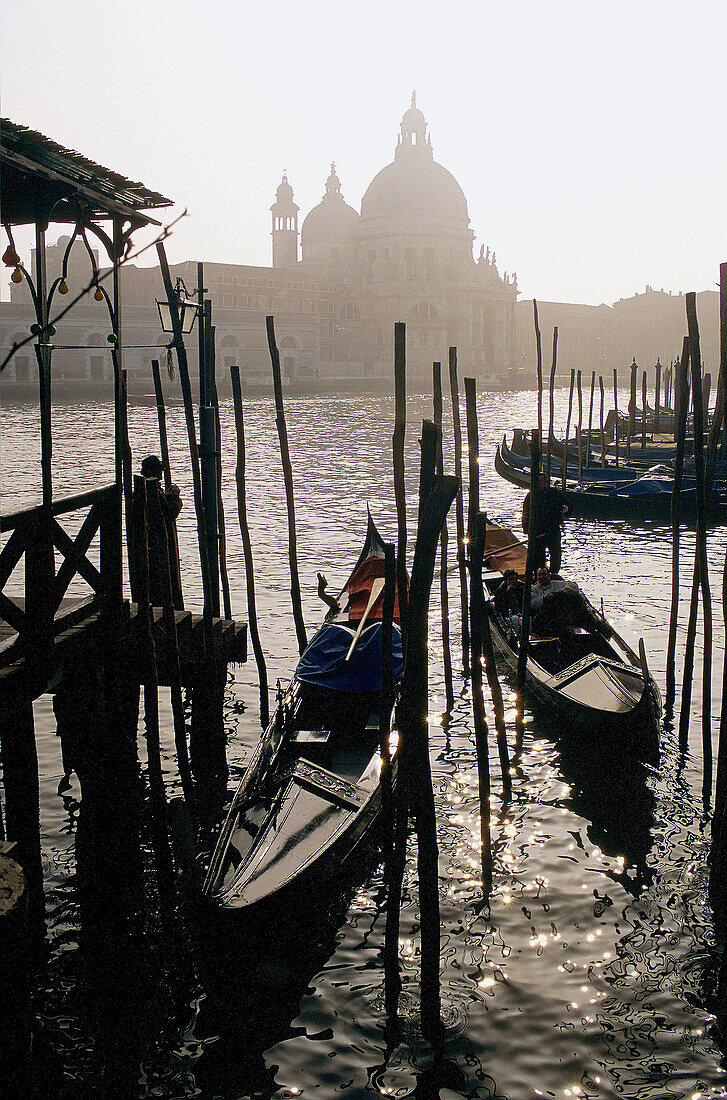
{"points": [[41, 180]]}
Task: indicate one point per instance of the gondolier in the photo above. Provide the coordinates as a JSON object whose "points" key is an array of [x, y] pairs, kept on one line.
{"points": [[550, 512]]}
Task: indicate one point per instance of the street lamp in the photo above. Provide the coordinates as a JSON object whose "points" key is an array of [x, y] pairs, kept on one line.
{"points": [[188, 310]]}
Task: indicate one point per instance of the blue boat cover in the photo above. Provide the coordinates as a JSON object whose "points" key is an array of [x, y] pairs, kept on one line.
{"points": [[324, 661]]}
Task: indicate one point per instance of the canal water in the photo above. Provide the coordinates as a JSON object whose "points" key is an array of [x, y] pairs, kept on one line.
{"points": [[589, 973]]}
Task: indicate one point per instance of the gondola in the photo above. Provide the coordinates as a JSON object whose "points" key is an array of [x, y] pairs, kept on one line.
{"points": [[645, 497], [587, 676], [312, 795]]}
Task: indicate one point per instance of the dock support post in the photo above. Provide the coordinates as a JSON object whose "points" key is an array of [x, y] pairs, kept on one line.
{"points": [[16, 1067], [22, 806]]}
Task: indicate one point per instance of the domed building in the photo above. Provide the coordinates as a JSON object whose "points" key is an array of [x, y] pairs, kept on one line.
{"points": [[408, 257], [337, 285], [328, 234]]}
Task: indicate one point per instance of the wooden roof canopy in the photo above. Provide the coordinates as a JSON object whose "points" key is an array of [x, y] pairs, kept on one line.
{"points": [[42, 182]]}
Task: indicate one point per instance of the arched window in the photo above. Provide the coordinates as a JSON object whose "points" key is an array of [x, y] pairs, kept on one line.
{"points": [[409, 263]]}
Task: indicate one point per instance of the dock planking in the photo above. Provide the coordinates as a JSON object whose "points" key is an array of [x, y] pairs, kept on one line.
{"points": [[81, 629]]}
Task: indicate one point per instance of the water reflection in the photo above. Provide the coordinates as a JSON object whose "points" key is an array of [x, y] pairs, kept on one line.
{"points": [[584, 975]]}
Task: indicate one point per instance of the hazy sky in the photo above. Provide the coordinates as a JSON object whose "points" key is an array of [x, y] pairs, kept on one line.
{"points": [[586, 136]]}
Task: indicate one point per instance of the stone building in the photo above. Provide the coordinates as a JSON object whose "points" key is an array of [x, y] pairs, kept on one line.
{"points": [[647, 327], [336, 287]]}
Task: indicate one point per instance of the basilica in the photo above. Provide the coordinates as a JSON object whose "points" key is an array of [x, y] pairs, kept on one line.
{"points": [[337, 284], [407, 256]]}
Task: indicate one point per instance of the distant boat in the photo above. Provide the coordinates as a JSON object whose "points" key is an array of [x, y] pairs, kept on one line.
{"points": [[647, 496], [312, 794]]}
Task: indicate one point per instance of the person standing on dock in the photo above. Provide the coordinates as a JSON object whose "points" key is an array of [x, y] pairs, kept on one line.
{"points": [[170, 505], [551, 510]]}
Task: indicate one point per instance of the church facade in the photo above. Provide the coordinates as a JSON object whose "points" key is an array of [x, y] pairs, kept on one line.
{"points": [[407, 256], [338, 283]]}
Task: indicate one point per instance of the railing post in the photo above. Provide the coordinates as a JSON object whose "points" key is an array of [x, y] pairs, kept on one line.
{"points": [[111, 565]]}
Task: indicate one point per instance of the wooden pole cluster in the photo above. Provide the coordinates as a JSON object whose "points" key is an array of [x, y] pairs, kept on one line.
{"points": [[193, 448], [414, 781]]}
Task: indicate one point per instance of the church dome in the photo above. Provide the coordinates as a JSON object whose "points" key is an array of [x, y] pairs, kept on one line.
{"points": [[421, 188], [414, 184], [333, 221]]}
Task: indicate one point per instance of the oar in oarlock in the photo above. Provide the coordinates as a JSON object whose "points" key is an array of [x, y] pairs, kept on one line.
{"points": [[376, 589]]}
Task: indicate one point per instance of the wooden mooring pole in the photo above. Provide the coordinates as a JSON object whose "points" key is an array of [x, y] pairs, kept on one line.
{"points": [[539, 366], [701, 562], [602, 434], [397, 444], [477, 616], [580, 429], [590, 420], [551, 401], [632, 411], [443, 550], [488, 655], [288, 477], [473, 456], [680, 432], [657, 397], [436, 495], [459, 507], [564, 472], [162, 418], [615, 410], [247, 548], [528, 579]]}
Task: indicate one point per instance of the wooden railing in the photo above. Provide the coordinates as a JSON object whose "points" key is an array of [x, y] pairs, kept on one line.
{"points": [[35, 535]]}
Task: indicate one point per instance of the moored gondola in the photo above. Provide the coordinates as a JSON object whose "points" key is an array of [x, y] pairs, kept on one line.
{"points": [[312, 794], [583, 671], [645, 497]]}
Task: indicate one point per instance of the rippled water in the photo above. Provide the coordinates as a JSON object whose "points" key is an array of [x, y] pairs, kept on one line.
{"points": [[584, 977]]}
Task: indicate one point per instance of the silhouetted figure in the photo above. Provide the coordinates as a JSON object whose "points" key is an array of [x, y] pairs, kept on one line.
{"points": [[170, 505], [551, 510], [509, 597]]}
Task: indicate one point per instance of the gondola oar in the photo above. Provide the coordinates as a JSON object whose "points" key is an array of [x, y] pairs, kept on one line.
{"points": [[376, 589]]}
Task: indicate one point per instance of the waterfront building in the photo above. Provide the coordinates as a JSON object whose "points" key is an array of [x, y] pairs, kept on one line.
{"points": [[337, 285], [647, 327]]}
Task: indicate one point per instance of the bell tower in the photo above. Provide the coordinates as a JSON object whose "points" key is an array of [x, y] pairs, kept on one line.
{"points": [[285, 226]]}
